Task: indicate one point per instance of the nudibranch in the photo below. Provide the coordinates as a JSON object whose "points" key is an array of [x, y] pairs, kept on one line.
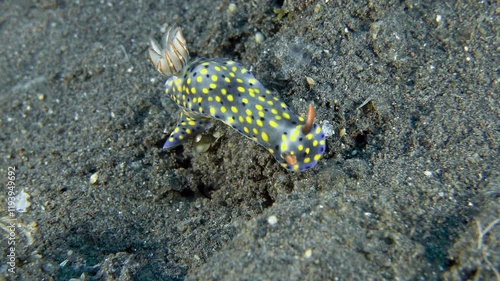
{"points": [[221, 89]]}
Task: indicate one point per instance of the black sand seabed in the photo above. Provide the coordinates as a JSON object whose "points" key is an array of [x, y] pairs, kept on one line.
{"points": [[401, 195]]}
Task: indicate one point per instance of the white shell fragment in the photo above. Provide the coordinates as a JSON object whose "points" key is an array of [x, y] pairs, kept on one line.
{"points": [[259, 37], [172, 56], [308, 253], [310, 81], [94, 178], [22, 202], [272, 220], [328, 129]]}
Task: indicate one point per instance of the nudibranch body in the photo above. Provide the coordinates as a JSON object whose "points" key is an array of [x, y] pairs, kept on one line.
{"points": [[221, 89]]}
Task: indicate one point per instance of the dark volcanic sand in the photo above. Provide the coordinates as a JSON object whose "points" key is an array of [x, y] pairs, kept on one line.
{"points": [[401, 195]]}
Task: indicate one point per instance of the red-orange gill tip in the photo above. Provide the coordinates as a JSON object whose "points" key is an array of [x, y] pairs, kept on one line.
{"points": [[309, 120], [290, 159]]}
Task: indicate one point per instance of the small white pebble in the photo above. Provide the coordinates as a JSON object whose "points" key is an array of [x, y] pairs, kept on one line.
{"points": [[22, 202], [217, 134], [310, 81], [94, 178], [259, 37], [327, 128], [272, 220], [438, 18], [231, 8], [317, 8], [428, 173], [308, 253]]}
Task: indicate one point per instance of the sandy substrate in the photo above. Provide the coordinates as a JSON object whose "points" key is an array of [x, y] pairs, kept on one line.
{"points": [[408, 190]]}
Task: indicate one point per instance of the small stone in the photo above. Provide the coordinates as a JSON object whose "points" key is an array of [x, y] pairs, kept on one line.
{"points": [[310, 81], [308, 253], [317, 8], [342, 132], [94, 178], [327, 129], [259, 37], [272, 220], [22, 203], [63, 263], [217, 134], [231, 8]]}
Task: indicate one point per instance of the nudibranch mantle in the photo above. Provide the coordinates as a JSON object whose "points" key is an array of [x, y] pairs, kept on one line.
{"points": [[207, 89]]}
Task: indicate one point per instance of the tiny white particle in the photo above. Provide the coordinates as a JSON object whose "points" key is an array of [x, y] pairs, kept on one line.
{"points": [[259, 37], [272, 220], [63, 263], [428, 173], [310, 81], [308, 253], [327, 128], [438, 18], [22, 202], [94, 178], [231, 8]]}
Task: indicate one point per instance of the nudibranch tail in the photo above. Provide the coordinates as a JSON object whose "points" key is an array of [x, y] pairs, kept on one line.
{"points": [[172, 56]]}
